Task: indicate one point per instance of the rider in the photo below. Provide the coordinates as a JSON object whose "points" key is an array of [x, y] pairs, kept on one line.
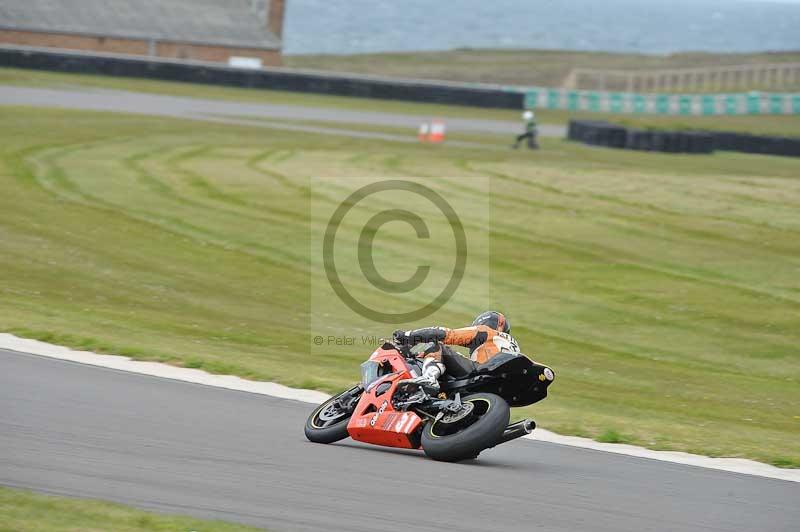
{"points": [[530, 131], [486, 337]]}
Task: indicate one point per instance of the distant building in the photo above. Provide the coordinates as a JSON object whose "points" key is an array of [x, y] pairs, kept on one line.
{"points": [[203, 30]]}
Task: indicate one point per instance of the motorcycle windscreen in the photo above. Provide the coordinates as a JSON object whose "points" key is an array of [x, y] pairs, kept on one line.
{"points": [[372, 371], [369, 373]]}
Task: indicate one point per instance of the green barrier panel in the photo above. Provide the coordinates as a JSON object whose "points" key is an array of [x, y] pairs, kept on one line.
{"points": [[572, 100], [552, 99], [754, 103], [594, 101], [662, 104], [709, 105], [776, 104], [731, 105], [665, 104], [531, 99], [639, 103], [616, 102], [685, 105]]}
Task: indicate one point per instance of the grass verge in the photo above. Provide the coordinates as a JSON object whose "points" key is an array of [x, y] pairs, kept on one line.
{"points": [[661, 288], [612, 436], [32, 512]]}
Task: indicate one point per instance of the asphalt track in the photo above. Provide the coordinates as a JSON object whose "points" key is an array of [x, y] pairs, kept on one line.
{"points": [[253, 114], [163, 445]]}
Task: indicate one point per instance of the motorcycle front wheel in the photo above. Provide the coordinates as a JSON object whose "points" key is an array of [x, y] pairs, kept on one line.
{"points": [[328, 422], [458, 437]]}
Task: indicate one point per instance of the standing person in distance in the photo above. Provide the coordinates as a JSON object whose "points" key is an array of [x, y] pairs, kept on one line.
{"points": [[530, 131]]}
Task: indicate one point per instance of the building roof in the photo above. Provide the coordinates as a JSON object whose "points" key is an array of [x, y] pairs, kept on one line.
{"points": [[240, 23]]}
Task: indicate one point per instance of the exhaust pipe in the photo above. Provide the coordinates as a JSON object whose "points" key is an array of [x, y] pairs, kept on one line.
{"points": [[517, 430]]}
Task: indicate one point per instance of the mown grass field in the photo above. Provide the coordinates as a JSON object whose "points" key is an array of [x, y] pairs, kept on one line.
{"points": [[29, 512], [662, 289], [547, 68], [767, 124]]}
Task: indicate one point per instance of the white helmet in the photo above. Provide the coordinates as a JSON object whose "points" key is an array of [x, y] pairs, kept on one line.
{"points": [[527, 115]]}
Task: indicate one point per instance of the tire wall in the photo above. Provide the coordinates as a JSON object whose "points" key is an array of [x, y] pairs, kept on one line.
{"points": [[746, 143], [473, 95], [598, 133]]}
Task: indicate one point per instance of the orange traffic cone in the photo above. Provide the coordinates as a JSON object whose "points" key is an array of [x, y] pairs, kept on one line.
{"points": [[424, 131], [438, 129]]}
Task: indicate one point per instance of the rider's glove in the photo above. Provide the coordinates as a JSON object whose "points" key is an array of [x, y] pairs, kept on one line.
{"points": [[401, 337]]}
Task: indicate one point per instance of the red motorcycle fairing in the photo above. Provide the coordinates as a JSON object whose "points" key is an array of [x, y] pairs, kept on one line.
{"points": [[375, 420]]}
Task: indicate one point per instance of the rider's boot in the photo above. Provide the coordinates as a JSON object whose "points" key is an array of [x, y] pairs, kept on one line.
{"points": [[432, 370]]}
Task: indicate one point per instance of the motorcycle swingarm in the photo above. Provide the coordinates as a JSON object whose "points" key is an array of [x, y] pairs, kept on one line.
{"points": [[467, 384]]}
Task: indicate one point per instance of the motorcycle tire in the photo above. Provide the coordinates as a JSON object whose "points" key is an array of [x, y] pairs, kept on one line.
{"points": [[319, 431], [467, 443]]}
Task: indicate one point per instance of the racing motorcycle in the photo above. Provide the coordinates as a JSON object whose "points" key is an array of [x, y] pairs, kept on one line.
{"points": [[469, 414]]}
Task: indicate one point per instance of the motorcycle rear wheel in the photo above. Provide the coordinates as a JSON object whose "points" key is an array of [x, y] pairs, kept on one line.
{"points": [[328, 422], [490, 418]]}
